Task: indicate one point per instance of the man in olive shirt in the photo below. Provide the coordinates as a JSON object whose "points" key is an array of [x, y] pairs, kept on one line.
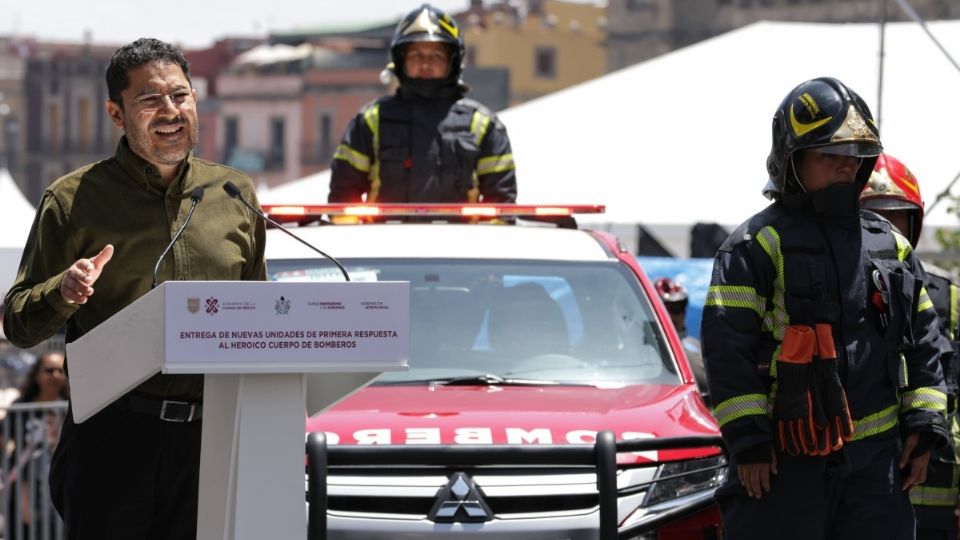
{"points": [[131, 471]]}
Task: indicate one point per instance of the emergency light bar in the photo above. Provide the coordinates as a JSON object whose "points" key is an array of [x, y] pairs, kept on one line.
{"points": [[387, 210]]}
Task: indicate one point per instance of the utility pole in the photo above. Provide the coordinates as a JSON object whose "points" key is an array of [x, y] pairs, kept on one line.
{"points": [[883, 32]]}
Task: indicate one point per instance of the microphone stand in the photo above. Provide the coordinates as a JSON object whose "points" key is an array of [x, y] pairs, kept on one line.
{"points": [[233, 191], [195, 198]]}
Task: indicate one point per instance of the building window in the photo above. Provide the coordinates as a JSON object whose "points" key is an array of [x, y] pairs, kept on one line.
{"points": [[641, 5], [275, 157], [231, 135], [545, 62], [471, 56], [85, 125], [326, 137], [54, 126]]}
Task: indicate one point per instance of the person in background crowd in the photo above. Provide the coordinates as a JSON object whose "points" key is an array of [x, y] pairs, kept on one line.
{"points": [[822, 347], [894, 193], [37, 432], [675, 299], [131, 470], [426, 143], [46, 380]]}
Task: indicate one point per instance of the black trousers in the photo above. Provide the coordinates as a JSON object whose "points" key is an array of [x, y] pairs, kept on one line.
{"points": [[122, 474], [815, 498]]}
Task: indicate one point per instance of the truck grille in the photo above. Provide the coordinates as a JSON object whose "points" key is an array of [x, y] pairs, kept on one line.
{"points": [[411, 493]]}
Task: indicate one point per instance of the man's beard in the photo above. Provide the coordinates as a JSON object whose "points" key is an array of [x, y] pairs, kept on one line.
{"points": [[142, 143]]}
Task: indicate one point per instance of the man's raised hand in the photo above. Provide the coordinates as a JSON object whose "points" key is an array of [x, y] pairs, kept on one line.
{"points": [[77, 284]]}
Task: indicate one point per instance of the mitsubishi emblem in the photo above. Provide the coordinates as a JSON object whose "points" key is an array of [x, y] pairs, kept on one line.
{"points": [[460, 502]]}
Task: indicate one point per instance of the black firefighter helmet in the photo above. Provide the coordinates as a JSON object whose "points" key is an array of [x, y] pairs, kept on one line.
{"points": [[427, 23], [824, 114]]}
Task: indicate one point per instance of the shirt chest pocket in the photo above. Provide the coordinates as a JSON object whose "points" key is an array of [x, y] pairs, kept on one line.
{"points": [[809, 295], [458, 159], [393, 165]]}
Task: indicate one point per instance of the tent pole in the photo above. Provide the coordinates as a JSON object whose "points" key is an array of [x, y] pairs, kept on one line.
{"points": [[905, 6]]}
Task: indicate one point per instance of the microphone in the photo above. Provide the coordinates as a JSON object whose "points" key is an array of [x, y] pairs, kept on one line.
{"points": [[233, 191], [195, 198]]}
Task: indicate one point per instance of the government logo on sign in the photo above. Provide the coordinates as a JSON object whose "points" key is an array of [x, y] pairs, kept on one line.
{"points": [[213, 306], [193, 305]]}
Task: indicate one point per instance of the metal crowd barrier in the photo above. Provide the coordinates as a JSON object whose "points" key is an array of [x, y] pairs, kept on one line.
{"points": [[601, 456], [30, 432]]}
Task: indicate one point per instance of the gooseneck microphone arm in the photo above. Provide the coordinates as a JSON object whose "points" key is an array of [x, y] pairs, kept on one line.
{"points": [[233, 191], [195, 198]]}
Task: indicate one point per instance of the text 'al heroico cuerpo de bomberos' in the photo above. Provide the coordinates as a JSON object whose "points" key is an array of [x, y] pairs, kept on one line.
{"points": [[288, 339]]}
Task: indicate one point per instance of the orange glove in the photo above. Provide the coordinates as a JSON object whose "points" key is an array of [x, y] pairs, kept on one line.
{"points": [[830, 395], [793, 406]]}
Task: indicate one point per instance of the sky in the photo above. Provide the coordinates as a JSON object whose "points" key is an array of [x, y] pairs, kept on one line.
{"points": [[191, 24]]}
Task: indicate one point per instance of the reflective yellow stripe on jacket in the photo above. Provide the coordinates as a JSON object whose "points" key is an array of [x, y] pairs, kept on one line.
{"points": [[358, 160], [478, 126], [494, 164], [740, 406], [924, 398], [954, 312], [933, 496], [372, 117], [924, 302], [903, 246]]}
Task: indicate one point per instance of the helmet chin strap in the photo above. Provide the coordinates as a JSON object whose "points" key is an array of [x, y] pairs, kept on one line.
{"points": [[796, 176]]}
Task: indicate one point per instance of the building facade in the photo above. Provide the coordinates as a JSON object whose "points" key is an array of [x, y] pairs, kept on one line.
{"points": [[282, 109], [12, 61], [545, 45], [638, 30], [66, 126]]}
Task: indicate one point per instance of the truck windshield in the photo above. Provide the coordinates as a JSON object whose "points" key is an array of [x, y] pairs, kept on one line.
{"points": [[557, 322]]}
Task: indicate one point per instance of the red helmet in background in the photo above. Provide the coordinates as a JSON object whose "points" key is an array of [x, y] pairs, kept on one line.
{"points": [[673, 294], [893, 187]]}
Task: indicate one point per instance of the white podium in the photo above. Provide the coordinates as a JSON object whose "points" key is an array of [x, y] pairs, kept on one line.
{"points": [[272, 353]]}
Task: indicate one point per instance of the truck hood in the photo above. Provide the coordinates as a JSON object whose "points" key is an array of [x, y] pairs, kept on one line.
{"points": [[442, 415]]}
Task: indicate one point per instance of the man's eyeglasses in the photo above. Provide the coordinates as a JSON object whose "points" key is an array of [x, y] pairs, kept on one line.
{"points": [[52, 370], [156, 101]]}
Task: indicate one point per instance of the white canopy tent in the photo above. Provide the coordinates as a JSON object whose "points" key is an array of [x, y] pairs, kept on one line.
{"points": [[17, 217], [683, 138]]}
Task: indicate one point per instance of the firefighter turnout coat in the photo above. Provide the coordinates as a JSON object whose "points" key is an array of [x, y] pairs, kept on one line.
{"points": [[406, 148], [788, 265], [935, 499]]}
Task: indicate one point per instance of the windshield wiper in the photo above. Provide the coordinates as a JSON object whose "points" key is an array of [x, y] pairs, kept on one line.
{"points": [[485, 379], [490, 379]]}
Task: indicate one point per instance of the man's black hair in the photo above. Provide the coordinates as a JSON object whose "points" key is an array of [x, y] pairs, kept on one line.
{"points": [[140, 52]]}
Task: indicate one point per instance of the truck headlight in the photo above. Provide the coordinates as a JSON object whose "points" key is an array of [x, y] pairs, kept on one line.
{"points": [[679, 478]]}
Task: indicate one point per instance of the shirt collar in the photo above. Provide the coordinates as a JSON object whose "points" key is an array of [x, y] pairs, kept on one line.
{"points": [[145, 174]]}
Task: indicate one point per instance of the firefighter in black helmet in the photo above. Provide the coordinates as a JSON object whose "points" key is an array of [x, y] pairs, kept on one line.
{"points": [[820, 342], [427, 143]]}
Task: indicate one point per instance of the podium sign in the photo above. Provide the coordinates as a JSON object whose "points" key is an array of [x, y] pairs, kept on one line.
{"points": [[271, 353], [232, 327]]}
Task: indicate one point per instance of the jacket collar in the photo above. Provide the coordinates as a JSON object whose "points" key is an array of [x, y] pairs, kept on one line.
{"points": [[144, 173]]}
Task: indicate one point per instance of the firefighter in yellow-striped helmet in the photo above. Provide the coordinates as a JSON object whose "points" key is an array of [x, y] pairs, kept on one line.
{"points": [[427, 24], [824, 115]]}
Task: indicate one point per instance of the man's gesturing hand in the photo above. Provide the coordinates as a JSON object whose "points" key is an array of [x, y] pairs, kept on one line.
{"points": [[77, 284]]}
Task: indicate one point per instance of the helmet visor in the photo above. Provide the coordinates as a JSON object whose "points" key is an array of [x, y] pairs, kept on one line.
{"points": [[854, 149], [887, 203]]}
